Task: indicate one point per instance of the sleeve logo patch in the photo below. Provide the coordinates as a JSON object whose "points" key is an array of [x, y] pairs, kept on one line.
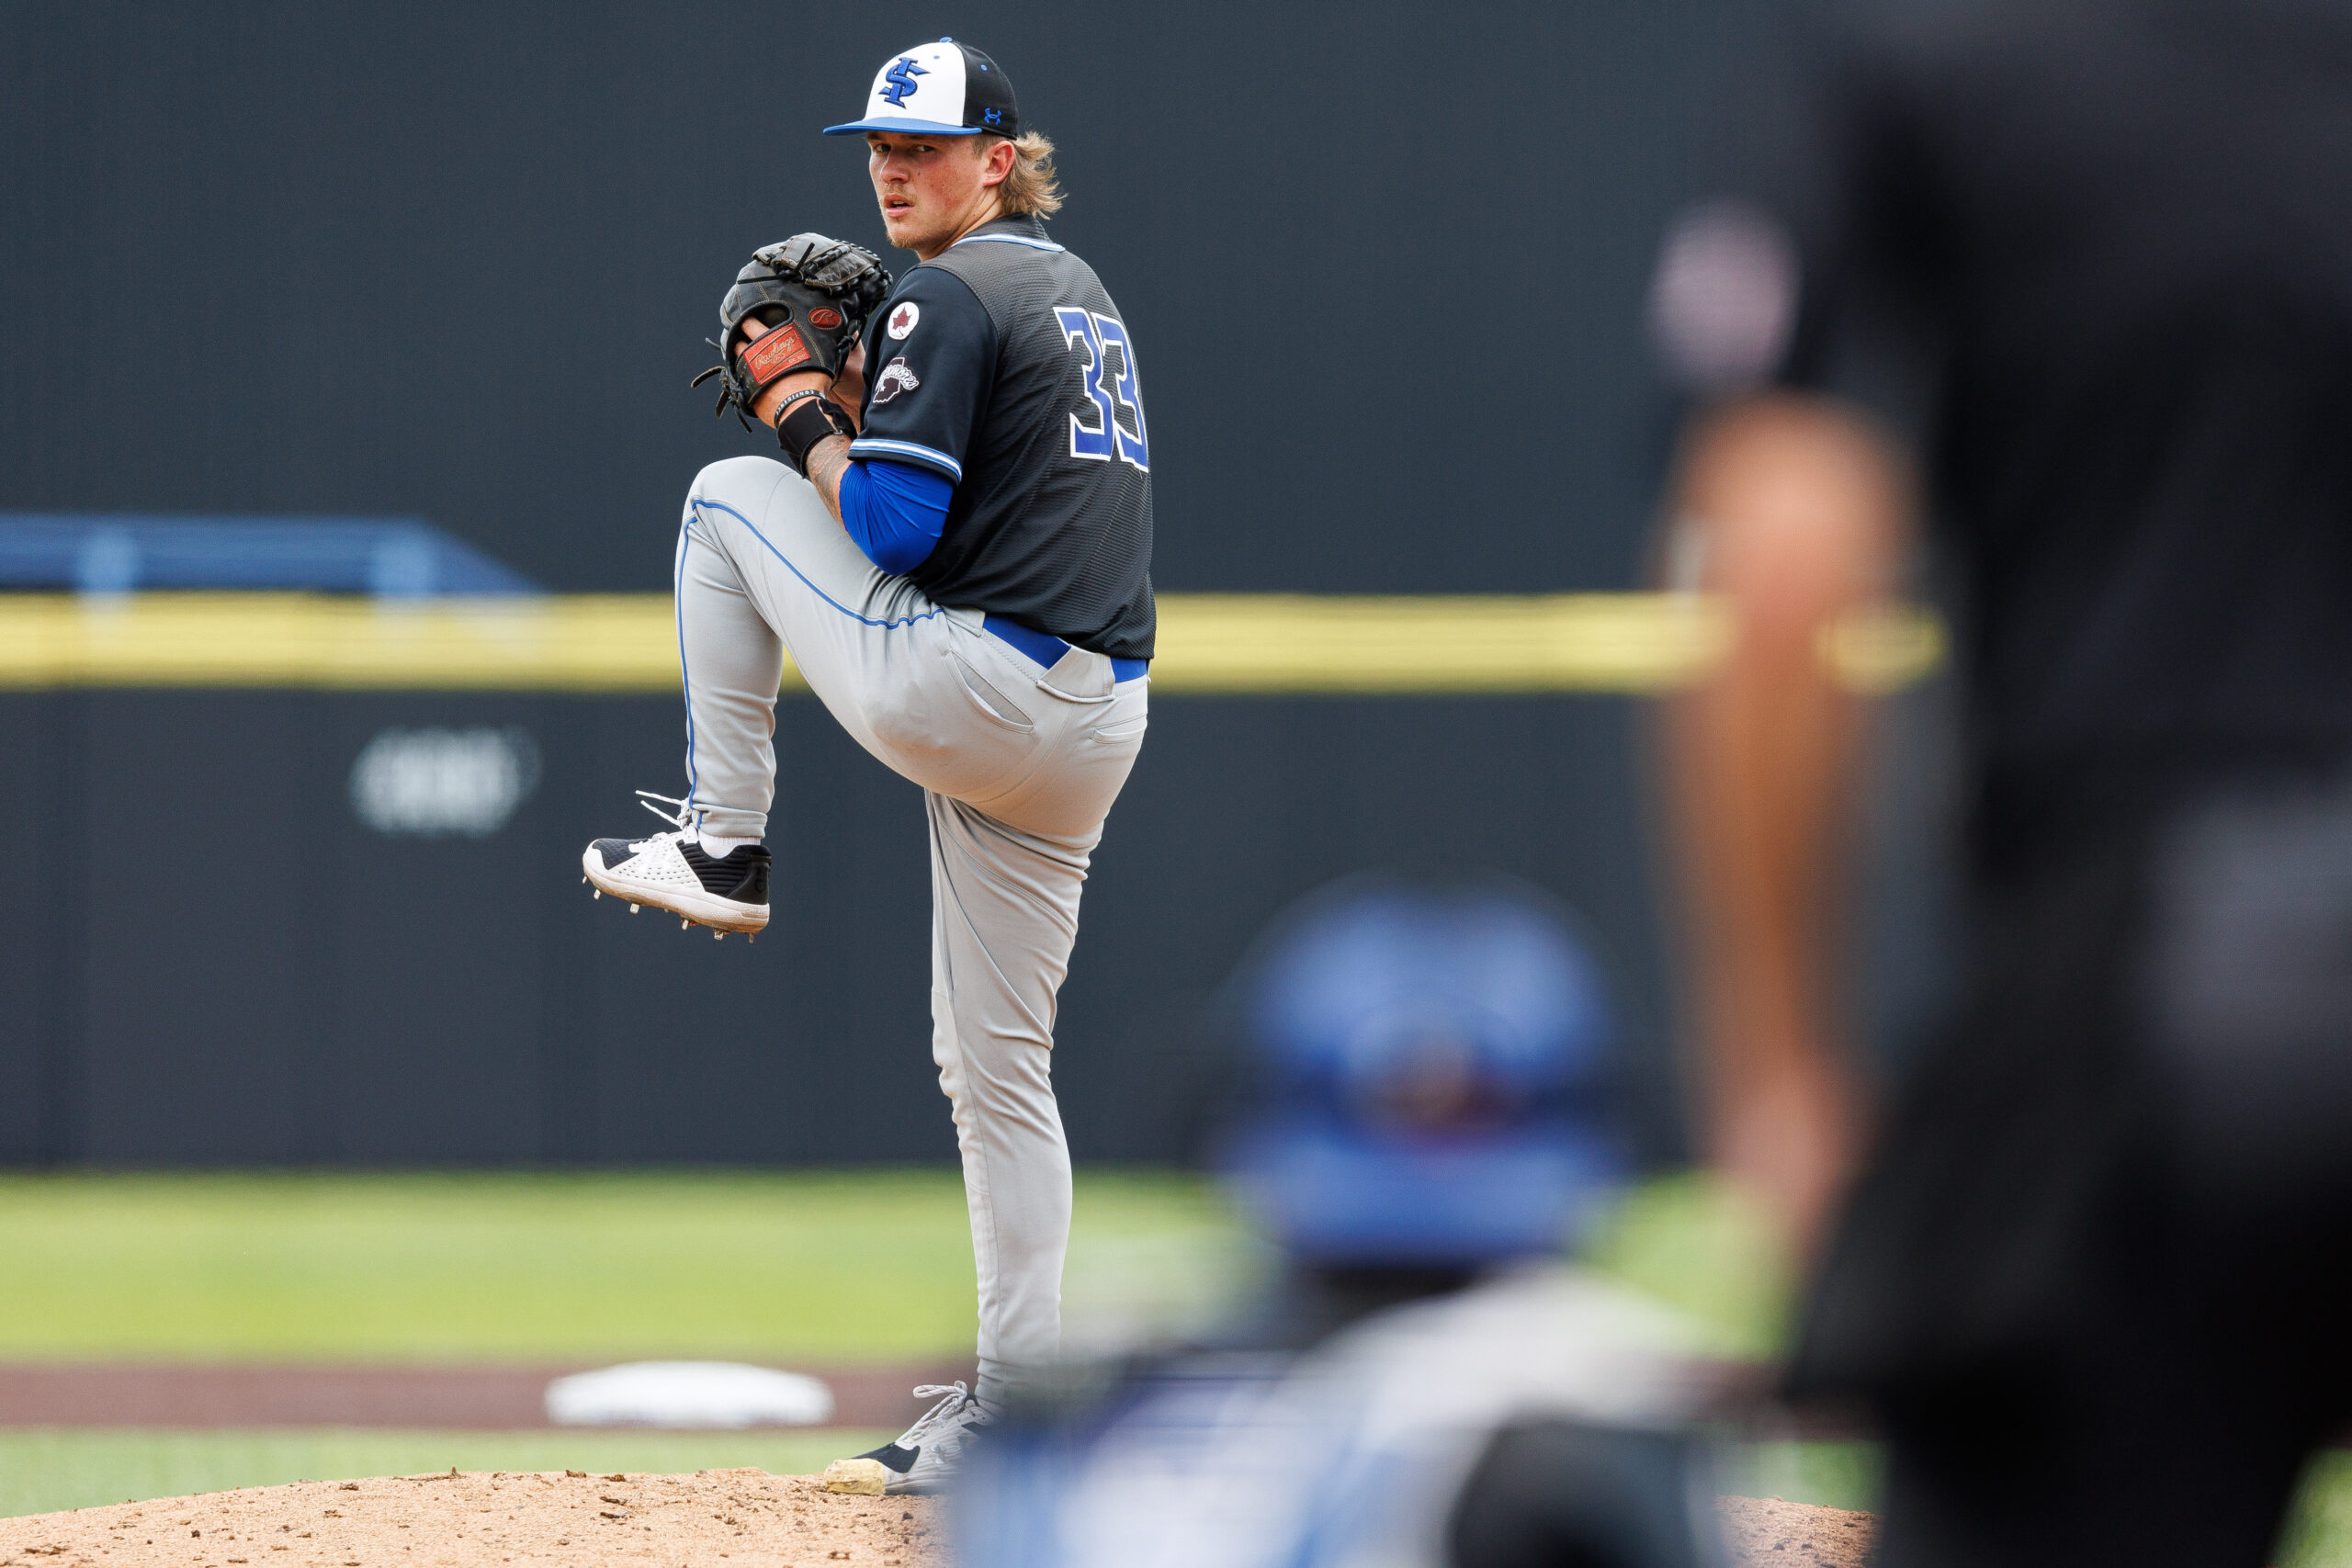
{"points": [[903, 320], [825, 317], [775, 353], [895, 378]]}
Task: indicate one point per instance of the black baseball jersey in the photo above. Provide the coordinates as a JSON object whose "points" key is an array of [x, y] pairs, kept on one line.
{"points": [[2117, 237], [1003, 365], [2098, 253]]}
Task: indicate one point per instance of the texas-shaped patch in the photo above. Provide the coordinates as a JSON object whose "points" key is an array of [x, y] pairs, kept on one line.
{"points": [[895, 378]]}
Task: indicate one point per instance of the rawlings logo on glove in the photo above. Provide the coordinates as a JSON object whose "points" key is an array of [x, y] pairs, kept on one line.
{"points": [[772, 356], [814, 295]]}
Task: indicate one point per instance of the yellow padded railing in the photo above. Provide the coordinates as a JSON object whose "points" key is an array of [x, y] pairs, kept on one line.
{"points": [[1268, 644]]}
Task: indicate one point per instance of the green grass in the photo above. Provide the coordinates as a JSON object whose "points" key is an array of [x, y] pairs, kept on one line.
{"points": [[45, 1470], [809, 1266], [813, 1266], [1688, 1242], [1830, 1475], [2320, 1534], [824, 1266]]}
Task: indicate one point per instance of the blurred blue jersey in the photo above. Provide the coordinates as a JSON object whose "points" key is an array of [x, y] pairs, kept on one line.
{"points": [[1356, 1454]]}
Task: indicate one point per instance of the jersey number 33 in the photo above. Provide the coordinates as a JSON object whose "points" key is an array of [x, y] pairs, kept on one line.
{"points": [[1110, 423]]}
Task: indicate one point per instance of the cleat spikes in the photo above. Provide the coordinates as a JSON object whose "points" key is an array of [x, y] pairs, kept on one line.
{"points": [[669, 871]]}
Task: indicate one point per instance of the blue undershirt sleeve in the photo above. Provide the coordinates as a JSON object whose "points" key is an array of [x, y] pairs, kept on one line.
{"points": [[895, 512]]}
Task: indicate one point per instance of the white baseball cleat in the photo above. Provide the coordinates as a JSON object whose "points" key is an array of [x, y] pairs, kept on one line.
{"points": [[925, 1456], [671, 871]]}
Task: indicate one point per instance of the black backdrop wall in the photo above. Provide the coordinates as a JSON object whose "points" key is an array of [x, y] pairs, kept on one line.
{"points": [[232, 965], [1384, 265], [455, 261]]}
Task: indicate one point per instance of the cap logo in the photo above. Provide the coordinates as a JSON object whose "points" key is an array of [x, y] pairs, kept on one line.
{"points": [[993, 117], [903, 85]]}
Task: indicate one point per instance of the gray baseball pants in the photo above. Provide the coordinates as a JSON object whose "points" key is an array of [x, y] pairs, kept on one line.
{"points": [[1018, 764]]}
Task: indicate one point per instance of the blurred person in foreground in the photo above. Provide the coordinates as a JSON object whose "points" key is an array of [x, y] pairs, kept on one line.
{"points": [[2092, 1275], [1427, 1384]]}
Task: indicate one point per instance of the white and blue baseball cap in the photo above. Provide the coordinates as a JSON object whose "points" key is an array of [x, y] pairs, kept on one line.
{"points": [[944, 89]]}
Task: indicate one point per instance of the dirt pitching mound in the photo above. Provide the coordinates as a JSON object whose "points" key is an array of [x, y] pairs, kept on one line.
{"points": [[1768, 1530], [747, 1517]]}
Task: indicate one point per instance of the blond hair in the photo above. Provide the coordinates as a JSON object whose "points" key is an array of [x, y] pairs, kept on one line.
{"points": [[1031, 186]]}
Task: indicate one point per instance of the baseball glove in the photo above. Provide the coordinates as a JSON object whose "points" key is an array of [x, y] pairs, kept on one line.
{"points": [[814, 295]]}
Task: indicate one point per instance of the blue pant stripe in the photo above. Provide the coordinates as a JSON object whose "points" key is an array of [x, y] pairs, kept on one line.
{"points": [[762, 538], [686, 678]]}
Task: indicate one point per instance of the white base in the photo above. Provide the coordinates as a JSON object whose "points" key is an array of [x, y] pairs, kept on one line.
{"points": [[705, 1395]]}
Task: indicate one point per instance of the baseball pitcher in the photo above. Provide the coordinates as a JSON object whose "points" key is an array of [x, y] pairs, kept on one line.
{"points": [[955, 550]]}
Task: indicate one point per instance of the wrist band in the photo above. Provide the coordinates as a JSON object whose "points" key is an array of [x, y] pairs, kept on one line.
{"points": [[791, 398], [807, 418]]}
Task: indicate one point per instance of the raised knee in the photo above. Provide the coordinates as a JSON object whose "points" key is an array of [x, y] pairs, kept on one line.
{"points": [[737, 482]]}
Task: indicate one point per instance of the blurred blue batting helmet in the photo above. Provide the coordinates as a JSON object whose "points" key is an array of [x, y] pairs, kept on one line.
{"points": [[1435, 1067]]}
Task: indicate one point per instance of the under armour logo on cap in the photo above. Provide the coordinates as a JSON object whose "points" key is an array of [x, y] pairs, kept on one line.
{"points": [[944, 89]]}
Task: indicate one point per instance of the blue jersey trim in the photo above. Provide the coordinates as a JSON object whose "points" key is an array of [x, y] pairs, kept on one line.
{"points": [[1034, 245], [922, 127], [762, 538], [883, 446]]}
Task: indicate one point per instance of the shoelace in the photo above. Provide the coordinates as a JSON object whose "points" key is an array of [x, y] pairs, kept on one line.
{"points": [[957, 1398], [681, 820]]}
